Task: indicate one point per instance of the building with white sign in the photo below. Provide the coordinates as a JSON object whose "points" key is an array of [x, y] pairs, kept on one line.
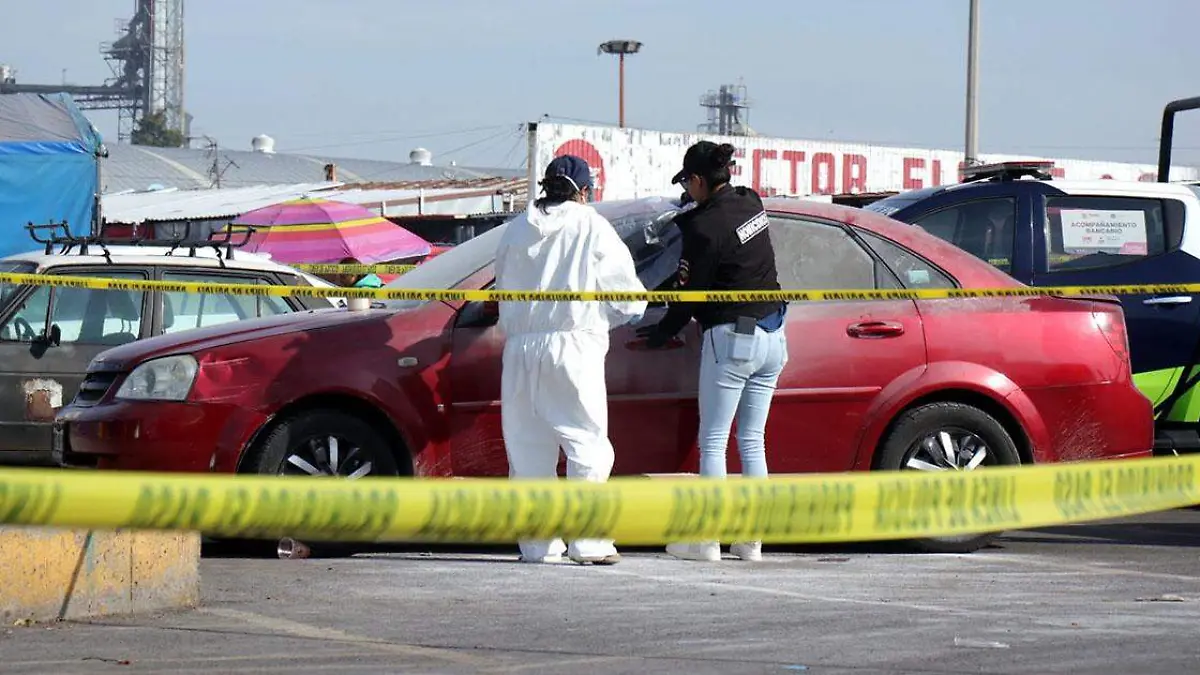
{"points": [[632, 163]]}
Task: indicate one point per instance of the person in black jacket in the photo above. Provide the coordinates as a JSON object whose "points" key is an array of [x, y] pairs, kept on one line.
{"points": [[727, 246]]}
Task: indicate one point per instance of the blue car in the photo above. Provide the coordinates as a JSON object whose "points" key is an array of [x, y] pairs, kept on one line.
{"points": [[1050, 232]]}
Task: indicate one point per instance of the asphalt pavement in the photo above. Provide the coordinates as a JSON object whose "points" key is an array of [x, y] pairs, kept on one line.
{"points": [[1101, 598]]}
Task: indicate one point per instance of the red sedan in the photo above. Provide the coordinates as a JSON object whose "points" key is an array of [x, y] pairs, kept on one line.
{"points": [[413, 388]]}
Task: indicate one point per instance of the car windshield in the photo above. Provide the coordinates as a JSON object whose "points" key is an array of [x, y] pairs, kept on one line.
{"points": [[890, 205], [449, 269], [7, 290], [645, 225]]}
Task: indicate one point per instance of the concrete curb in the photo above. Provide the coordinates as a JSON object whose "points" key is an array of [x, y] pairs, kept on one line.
{"points": [[51, 574]]}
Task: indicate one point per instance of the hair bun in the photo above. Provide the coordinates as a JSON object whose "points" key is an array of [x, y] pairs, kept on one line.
{"points": [[724, 155]]}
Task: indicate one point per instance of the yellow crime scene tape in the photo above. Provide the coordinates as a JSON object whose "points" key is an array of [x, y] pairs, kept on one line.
{"points": [[794, 508], [322, 268], [811, 295]]}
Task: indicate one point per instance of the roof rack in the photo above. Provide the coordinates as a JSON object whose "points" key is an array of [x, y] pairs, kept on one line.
{"points": [[1007, 171], [68, 240]]}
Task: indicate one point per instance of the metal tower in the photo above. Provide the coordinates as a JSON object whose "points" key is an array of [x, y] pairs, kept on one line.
{"points": [[147, 62], [728, 111], [148, 58], [167, 63]]}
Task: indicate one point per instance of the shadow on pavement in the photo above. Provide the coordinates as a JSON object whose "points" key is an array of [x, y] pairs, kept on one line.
{"points": [[1179, 528], [266, 549], [1142, 533]]}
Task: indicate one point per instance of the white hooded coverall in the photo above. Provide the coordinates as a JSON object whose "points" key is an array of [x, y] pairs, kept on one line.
{"points": [[553, 391]]}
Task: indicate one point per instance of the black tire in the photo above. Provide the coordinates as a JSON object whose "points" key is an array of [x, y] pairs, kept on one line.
{"points": [[961, 421], [271, 453]]}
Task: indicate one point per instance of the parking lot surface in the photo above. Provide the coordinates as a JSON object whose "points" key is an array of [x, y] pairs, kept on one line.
{"points": [[1103, 598]]}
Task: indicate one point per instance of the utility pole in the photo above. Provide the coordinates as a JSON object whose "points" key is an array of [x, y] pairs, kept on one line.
{"points": [[621, 48], [972, 149]]}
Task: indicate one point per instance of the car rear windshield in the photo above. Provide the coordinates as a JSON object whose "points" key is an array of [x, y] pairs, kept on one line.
{"points": [[6, 289], [890, 205], [449, 269], [645, 225]]}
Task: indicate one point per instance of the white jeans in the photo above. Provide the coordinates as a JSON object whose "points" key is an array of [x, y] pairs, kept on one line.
{"points": [[553, 395], [743, 388]]}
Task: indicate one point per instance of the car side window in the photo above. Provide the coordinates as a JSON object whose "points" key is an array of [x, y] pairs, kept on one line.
{"points": [[270, 305], [984, 228], [305, 301], [815, 255], [6, 289], [89, 316], [184, 311], [29, 320], [912, 270], [655, 261], [1087, 232], [84, 316]]}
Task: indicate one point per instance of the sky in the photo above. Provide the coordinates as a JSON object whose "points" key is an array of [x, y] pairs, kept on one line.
{"points": [[1082, 79]]}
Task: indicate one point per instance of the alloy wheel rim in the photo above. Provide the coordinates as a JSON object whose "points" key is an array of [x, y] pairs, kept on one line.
{"points": [[328, 456], [949, 449]]}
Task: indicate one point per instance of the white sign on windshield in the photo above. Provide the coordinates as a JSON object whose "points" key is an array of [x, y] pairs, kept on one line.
{"points": [[1118, 232]]}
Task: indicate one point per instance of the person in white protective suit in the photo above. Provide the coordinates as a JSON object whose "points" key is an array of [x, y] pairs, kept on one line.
{"points": [[553, 391]]}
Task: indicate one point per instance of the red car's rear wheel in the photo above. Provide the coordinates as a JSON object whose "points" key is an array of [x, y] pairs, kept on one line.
{"points": [[947, 436]]}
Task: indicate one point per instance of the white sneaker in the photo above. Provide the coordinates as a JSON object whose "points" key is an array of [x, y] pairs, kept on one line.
{"points": [[542, 552], [747, 550], [610, 559], [706, 550], [552, 558]]}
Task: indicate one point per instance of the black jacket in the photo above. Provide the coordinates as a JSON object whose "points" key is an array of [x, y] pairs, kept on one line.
{"points": [[726, 247]]}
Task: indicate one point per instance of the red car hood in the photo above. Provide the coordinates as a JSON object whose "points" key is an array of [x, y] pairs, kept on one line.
{"points": [[198, 339]]}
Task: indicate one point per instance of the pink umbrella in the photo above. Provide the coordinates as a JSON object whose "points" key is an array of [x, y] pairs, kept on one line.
{"points": [[313, 230]]}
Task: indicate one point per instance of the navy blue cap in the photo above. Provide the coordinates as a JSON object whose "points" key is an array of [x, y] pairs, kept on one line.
{"points": [[574, 168], [698, 159]]}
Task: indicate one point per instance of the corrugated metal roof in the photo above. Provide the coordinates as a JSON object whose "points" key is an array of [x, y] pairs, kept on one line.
{"points": [[457, 184], [431, 191], [173, 205], [392, 199], [437, 197], [135, 167]]}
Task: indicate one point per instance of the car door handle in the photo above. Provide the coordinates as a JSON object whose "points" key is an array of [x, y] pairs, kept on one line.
{"points": [[1168, 300], [875, 329]]}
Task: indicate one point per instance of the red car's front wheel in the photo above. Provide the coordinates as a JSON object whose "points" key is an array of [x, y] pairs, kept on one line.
{"points": [[323, 443]]}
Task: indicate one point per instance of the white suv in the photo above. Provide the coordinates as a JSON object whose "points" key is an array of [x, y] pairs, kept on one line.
{"points": [[48, 335]]}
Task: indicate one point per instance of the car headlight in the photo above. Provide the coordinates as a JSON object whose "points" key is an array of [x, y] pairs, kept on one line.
{"points": [[165, 379]]}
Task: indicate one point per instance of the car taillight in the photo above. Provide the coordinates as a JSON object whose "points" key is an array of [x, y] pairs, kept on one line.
{"points": [[1111, 323]]}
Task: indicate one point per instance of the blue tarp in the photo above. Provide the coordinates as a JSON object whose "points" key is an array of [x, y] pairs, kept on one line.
{"points": [[49, 154]]}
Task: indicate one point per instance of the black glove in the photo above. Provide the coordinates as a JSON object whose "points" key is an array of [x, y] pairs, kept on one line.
{"points": [[646, 331], [657, 340]]}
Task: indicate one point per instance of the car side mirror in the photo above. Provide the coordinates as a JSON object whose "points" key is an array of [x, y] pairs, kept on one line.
{"points": [[480, 314], [43, 342], [53, 339]]}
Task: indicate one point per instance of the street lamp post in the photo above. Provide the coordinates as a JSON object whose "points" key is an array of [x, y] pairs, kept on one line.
{"points": [[972, 149], [621, 48]]}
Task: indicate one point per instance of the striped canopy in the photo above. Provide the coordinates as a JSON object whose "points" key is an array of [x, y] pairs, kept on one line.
{"points": [[313, 230]]}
